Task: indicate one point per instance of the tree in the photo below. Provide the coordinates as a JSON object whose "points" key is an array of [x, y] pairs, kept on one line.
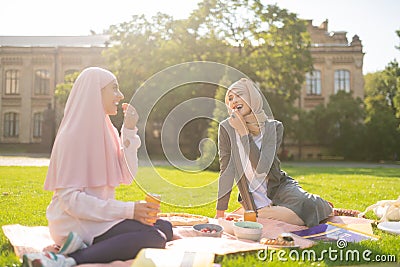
{"points": [[267, 43], [382, 136], [339, 125], [386, 83], [382, 113], [382, 103], [63, 89], [270, 45]]}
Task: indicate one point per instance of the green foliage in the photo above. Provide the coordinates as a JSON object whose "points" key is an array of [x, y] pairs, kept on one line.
{"points": [[382, 106], [23, 201], [386, 83], [269, 44], [212, 132], [391, 86], [286, 112], [63, 89], [345, 115], [339, 125]]}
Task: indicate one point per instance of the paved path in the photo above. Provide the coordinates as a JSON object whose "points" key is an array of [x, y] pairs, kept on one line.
{"points": [[25, 160], [43, 160]]}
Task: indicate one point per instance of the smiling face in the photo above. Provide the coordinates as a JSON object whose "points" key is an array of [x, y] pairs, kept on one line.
{"points": [[111, 95], [237, 100]]}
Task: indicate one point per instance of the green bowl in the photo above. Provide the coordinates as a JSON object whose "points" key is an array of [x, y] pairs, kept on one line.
{"points": [[248, 230]]}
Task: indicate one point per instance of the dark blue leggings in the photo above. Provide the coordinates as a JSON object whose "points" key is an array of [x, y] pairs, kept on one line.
{"points": [[123, 242]]}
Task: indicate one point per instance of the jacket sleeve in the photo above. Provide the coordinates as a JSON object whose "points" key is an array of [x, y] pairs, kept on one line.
{"points": [[79, 204], [227, 171], [279, 135]]}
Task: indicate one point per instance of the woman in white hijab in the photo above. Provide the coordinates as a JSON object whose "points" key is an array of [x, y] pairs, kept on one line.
{"points": [[88, 161], [248, 143]]}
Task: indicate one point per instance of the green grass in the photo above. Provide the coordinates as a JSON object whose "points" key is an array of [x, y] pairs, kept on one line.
{"points": [[23, 201]]}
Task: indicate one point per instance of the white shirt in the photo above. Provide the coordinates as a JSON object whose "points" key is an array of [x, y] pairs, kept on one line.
{"points": [[257, 181], [92, 211]]}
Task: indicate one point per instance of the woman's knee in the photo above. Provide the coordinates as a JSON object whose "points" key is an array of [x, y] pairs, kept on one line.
{"points": [[166, 228], [157, 239]]}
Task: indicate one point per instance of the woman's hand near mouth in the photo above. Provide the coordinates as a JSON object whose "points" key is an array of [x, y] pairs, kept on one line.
{"points": [[238, 123], [131, 116]]}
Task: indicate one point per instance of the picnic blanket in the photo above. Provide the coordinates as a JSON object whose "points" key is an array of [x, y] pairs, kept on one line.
{"points": [[28, 239]]}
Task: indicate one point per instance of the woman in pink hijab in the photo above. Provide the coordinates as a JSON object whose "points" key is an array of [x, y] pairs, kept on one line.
{"points": [[88, 161]]}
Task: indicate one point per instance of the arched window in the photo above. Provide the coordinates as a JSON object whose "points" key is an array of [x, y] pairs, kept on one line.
{"points": [[342, 81], [313, 83], [12, 82], [42, 82], [37, 124], [11, 124]]}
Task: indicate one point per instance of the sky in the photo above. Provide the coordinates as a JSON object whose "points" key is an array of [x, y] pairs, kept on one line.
{"points": [[375, 22]]}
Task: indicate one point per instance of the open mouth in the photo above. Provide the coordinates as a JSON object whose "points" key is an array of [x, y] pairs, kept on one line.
{"points": [[239, 107]]}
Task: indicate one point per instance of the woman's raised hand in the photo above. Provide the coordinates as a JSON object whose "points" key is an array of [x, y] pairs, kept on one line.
{"points": [[238, 123], [144, 210], [131, 116]]}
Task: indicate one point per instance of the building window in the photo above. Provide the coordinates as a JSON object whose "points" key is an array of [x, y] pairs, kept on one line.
{"points": [[313, 83], [12, 82], [11, 128], [37, 124], [42, 82], [342, 81]]}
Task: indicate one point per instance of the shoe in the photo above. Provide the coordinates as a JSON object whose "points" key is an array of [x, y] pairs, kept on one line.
{"points": [[73, 243], [46, 259]]}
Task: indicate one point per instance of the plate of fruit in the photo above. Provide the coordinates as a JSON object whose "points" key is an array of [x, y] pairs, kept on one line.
{"points": [[208, 229]]}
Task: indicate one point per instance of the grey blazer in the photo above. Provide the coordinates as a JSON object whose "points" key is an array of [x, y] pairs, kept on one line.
{"points": [[281, 188]]}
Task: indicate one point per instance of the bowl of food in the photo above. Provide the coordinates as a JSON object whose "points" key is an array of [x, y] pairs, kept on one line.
{"points": [[248, 230], [208, 229], [228, 221]]}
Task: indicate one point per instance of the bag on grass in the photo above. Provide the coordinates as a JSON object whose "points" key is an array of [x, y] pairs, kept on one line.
{"points": [[385, 210]]}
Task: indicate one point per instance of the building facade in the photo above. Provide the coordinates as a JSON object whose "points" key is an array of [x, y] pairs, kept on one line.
{"points": [[30, 69], [338, 66]]}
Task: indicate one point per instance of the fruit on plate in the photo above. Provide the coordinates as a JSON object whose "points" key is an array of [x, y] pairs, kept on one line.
{"points": [[208, 230], [232, 218]]}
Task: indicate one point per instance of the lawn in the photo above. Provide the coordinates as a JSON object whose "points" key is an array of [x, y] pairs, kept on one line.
{"points": [[23, 201]]}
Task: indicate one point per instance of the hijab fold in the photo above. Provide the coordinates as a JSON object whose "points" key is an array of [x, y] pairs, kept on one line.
{"points": [[87, 150]]}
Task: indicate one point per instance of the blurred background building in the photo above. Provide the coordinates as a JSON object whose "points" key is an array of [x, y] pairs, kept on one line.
{"points": [[32, 66]]}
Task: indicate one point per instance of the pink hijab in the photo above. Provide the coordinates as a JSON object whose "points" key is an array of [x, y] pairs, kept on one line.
{"points": [[87, 150]]}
